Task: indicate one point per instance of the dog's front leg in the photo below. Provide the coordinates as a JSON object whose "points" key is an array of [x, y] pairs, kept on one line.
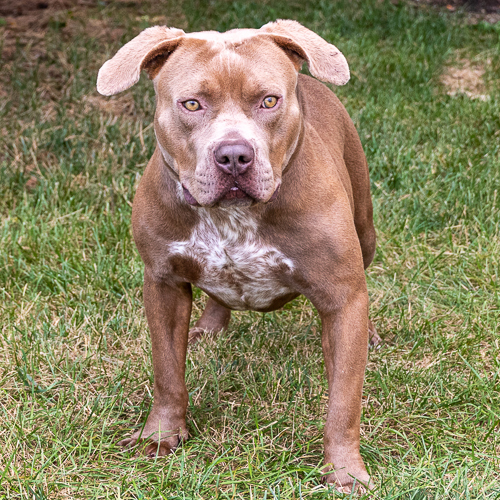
{"points": [[345, 348], [168, 309]]}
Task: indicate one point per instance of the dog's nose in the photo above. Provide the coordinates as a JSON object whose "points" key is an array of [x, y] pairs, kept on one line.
{"points": [[234, 157]]}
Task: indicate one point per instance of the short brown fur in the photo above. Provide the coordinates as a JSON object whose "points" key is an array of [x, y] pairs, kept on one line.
{"points": [[297, 221]]}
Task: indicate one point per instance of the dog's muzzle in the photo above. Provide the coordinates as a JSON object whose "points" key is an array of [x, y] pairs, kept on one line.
{"points": [[237, 184]]}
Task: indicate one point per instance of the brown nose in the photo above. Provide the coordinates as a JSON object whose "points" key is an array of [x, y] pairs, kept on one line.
{"points": [[234, 157]]}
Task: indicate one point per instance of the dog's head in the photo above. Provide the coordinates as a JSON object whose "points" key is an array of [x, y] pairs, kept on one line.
{"points": [[227, 118]]}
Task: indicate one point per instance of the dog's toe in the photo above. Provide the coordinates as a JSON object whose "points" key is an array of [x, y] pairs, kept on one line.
{"points": [[346, 484], [148, 448], [160, 449], [127, 442]]}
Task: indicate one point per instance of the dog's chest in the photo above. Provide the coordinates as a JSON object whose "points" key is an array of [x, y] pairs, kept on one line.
{"points": [[237, 267]]}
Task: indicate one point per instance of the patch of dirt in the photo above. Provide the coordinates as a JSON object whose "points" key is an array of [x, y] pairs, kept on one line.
{"points": [[29, 14], [476, 17], [476, 10], [477, 6], [25, 22], [17, 8], [466, 78], [119, 106], [93, 28]]}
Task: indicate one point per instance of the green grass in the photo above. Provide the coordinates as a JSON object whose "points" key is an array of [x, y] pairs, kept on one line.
{"points": [[75, 369]]}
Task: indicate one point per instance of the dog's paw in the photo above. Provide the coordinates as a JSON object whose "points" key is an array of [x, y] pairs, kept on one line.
{"points": [[349, 475], [215, 319], [151, 446], [195, 334], [375, 341], [347, 483]]}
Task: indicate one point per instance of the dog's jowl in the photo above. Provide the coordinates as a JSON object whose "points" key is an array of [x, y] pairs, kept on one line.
{"points": [[257, 192]]}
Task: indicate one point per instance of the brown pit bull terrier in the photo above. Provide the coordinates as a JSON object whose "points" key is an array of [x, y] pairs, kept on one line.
{"points": [[257, 192]]}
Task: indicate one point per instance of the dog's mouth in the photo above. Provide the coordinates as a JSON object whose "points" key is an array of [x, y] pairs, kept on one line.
{"points": [[235, 193], [233, 196], [189, 197]]}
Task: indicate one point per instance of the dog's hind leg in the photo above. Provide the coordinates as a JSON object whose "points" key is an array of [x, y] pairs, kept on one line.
{"points": [[357, 167], [215, 319]]}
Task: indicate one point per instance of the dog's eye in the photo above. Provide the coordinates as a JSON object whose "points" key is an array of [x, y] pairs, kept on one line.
{"points": [[270, 101], [191, 105]]}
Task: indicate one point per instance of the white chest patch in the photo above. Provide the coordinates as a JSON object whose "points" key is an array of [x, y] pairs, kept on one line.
{"points": [[238, 268]]}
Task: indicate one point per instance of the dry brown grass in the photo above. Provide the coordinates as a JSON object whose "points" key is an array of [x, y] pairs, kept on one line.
{"points": [[75, 362], [466, 77]]}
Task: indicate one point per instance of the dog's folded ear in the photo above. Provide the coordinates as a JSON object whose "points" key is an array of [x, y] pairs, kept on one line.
{"points": [[324, 60], [149, 51]]}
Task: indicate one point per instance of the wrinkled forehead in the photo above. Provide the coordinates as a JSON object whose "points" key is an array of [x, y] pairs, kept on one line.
{"points": [[235, 62]]}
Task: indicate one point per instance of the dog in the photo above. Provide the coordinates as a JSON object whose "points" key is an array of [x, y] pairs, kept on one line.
{"points": [[258, 191]]}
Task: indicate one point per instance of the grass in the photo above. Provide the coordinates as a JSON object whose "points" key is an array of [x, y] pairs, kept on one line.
{"points": [[75, 365]]}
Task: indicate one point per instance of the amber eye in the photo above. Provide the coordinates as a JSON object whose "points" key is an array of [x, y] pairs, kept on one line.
{"points": [[270, 102], [191, 105]]}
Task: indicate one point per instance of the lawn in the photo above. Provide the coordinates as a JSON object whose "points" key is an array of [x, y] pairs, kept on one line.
{"points": [[75, 361]]}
